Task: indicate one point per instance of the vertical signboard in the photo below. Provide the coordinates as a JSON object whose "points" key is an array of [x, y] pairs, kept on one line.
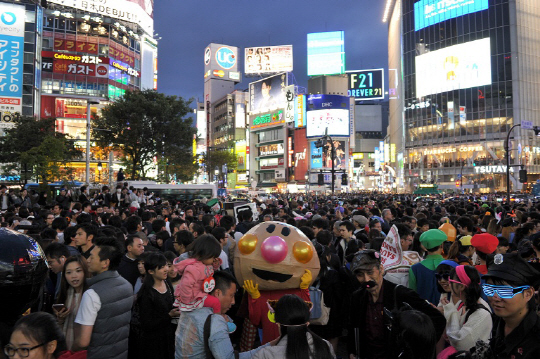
{"points": [[316, 155], [289, 104], [11, 62], [300, 154], [300, 111]]}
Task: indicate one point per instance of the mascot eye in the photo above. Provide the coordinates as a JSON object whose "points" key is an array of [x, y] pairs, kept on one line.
{"points": [[247, 244], [285, 231], [271, 228], [302, 251]]}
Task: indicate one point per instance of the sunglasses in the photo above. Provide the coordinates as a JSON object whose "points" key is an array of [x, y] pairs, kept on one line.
{"points": [[503, 291], [444, 275]]}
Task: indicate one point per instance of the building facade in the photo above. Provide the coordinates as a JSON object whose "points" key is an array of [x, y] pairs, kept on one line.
{"points": [[464, 76], [93, 53]]}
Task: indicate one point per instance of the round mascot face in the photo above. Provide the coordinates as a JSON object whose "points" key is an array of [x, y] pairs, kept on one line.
{"points": [[275, 255]]}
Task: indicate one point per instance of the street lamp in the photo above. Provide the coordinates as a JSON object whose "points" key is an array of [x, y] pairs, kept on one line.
{"points": [[216, 173], [536, 130], [89, 102]]}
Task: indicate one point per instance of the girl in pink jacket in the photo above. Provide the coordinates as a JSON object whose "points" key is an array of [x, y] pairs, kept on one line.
{"points": [[197, 282]]}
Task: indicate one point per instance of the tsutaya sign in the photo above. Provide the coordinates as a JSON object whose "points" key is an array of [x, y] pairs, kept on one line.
{"points": [[491, 169], [438, 151]]}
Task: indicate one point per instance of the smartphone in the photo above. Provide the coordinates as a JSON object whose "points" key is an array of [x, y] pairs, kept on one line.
{"points": [[58, 307]]}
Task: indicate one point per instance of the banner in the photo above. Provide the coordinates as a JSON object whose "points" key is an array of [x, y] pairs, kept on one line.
{"points": [[391, 253]]}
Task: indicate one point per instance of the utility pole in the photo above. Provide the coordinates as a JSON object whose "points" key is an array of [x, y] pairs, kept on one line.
{"points": [[320, 143]]}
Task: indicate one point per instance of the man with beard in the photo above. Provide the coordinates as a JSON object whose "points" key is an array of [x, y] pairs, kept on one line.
{"points": [[369, 336]]}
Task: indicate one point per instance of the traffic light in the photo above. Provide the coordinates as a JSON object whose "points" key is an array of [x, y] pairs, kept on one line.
{"points": [[320, 179], [458, 183], [319, 143], [344, 179], [523, 176]]}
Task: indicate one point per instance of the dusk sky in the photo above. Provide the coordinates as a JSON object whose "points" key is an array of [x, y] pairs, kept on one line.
{"points": [[188, 26]]}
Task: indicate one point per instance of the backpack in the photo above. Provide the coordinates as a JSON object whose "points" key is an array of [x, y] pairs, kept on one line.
{"points": [[320, 313]]}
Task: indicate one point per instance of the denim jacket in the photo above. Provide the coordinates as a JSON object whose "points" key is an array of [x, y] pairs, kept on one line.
{"points": [[190, 337]]}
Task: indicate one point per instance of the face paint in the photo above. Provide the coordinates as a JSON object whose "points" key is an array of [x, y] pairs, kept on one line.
{"points": [[368, 284]]}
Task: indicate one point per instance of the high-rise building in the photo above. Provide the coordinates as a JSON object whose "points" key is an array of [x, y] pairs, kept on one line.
{"points": [[92, 53], [462, 74]]}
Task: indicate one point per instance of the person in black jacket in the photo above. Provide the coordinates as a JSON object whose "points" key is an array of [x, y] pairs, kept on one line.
{"points": [[128, 265], [369, 336]]}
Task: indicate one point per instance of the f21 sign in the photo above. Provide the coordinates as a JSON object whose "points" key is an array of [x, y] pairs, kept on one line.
{"points": [[366, 84]]}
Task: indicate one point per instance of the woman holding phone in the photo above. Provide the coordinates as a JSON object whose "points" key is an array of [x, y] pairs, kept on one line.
{"points": [[72, 288]]}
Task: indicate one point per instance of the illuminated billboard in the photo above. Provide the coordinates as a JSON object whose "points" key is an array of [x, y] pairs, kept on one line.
{"points": [[268, 94], [136, 11], [326, 53], [322, 159], [221, 61], [366, 84], [455, 67], [11, 66], [300, 111], [431, 12], [327, 112], [268, 59]]}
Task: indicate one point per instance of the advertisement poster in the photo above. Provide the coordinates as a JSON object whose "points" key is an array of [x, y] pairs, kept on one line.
{"points": [[240, 149], [268, 94], [316, 156], [452, 68], [328, 112], [268, 59]]}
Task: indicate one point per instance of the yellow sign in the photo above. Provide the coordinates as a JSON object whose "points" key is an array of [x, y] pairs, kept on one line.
{"points": [[358, 156]]}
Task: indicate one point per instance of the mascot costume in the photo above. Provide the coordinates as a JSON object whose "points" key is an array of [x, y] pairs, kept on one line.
{"points": [[273, 259]]}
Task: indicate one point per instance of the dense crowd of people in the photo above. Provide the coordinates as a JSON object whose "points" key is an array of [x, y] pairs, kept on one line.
{"points": [[133, 276]]}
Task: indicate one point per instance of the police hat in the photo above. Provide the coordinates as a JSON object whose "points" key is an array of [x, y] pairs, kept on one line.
{"points": [[514, 269]]}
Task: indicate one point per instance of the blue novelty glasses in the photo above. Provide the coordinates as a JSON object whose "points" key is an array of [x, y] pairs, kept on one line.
{"points": [[503, 291]]}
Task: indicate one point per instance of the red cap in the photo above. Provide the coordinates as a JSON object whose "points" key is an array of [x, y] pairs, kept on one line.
{"points": [[485, 243]]}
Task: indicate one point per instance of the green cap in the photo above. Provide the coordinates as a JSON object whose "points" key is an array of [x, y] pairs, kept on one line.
{"points": [[433, 238], [485, 205]]}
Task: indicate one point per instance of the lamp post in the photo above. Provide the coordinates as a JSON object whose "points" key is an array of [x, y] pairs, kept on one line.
{"points": [[319, 144], [307, 182], [99, 167], [216, 173], [536, 130], [88, 127]]}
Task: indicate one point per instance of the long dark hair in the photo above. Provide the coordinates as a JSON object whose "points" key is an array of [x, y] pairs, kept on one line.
{"points": [[409, 328], [153, 261], [473, 291], [64, 285], [42, 328], [205, 247], [292, 314]]}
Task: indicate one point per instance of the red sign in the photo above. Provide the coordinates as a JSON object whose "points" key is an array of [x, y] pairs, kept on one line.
{"points": [[300, 154]]}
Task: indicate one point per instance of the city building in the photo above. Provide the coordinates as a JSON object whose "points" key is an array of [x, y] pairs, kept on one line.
{"points": [[21, 28], [462, 74], [90, 55]]}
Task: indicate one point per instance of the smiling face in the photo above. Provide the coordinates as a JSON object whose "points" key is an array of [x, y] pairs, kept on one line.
{"points": [[275, 255]]}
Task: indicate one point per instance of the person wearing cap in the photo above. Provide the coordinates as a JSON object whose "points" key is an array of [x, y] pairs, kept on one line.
{"points": [[360, 222], [422, 275], [462, 251], [510, 287], [485, 244], [368, 336]]}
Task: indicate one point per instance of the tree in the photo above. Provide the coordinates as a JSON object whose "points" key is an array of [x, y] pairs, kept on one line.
{"points": [[217, 158], [30, 137], [147, 126]]}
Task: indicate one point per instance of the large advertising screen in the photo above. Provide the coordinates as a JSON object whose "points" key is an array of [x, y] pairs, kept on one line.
{"points": [[326, 53], [366, 84], [268, 59], [430, 12], [268, 94], [322, 159], [327, 112], [455, 67], [11, 66]]}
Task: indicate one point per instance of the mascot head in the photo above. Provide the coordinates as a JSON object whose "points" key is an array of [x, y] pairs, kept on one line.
{"points": [[275, 255]]}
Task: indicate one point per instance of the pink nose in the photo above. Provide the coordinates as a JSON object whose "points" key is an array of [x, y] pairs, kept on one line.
{"points": [[274, 249]]}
